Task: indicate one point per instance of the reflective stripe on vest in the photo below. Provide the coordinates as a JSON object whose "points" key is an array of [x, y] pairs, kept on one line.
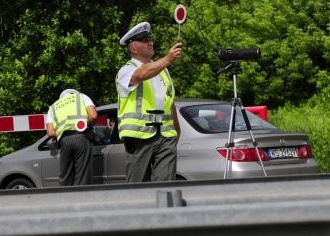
{"points": [[67, 111], [132, 110]]}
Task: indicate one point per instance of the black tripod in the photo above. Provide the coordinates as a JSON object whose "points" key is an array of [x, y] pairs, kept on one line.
{"points": [[235, 69]]}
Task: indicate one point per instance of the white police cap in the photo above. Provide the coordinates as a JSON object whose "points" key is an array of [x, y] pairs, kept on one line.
{"points": [[139, 31], [68, 91]]}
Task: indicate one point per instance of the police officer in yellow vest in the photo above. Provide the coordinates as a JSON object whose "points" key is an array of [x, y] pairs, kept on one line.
{"points": [[67, 121], [147, 115]]}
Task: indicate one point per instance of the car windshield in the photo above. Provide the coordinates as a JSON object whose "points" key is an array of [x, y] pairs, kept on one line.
{"points": [[215, 118]]}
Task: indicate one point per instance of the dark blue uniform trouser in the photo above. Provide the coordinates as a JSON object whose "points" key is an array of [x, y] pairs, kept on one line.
{"points": [[152, 159], [75, 160]]}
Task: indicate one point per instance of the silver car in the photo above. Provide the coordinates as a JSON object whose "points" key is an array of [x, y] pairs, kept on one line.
{"points": [[202, 149]]}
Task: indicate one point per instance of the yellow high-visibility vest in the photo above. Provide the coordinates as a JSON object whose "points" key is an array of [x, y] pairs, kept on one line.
{"points": [[132, 110], [67, 111]]}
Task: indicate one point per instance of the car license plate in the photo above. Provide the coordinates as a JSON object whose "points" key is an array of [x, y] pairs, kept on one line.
{"points": [[277, 153]]}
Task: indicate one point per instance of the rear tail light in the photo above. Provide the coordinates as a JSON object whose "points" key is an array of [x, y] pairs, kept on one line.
{"points": [[244, 154], [305, 152]]}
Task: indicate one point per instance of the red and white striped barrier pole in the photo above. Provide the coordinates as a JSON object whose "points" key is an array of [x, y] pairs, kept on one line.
{"points": [[33, 122], [22, 123]]}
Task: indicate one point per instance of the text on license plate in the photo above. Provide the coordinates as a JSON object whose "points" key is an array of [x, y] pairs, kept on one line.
{"points": [[282, 152]]}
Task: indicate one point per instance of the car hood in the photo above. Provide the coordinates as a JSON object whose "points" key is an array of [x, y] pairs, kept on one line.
{"points": [[24, 152]]}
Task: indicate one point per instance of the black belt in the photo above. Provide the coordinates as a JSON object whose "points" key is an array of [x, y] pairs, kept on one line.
{"points": [[70, 132], [155, 124]]}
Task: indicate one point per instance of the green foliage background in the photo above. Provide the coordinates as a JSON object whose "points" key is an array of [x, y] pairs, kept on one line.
{"points": [[47, 46]]}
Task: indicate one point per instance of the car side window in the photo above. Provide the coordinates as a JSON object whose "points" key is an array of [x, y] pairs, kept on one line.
{"points": [[102, 135], [45, 144], [106, 130], [208, 118], [215, 118]]}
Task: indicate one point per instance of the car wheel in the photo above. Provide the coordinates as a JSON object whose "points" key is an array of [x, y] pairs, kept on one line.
{"points": [[20, 183]]}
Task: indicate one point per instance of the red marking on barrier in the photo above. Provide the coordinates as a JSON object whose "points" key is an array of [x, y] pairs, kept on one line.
{"points": [[6, 124], [36, 122]]}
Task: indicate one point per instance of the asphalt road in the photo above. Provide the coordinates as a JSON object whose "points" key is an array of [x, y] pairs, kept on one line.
{"points": [[296, 205]]}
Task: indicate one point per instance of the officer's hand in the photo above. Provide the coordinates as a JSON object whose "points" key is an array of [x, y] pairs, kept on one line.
{"points": [[174, 53]]}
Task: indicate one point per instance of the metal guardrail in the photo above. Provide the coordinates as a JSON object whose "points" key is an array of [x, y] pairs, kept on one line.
{"points": [[296, 205]]}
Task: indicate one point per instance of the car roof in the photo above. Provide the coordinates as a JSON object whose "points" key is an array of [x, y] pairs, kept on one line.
{"points": [[107, 107], [183, 102], [180, 102]]}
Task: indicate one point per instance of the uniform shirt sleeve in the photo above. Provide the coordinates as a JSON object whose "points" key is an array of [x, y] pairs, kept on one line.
{"points": [[124, 78], [49, 118], [87, 100]]}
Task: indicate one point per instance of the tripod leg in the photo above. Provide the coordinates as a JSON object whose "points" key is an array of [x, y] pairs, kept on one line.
{"points": [[230, 142], [255, 143]]}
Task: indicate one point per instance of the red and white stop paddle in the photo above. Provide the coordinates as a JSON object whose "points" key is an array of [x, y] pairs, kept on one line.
{"points": [[180, 14], [81, 125]]}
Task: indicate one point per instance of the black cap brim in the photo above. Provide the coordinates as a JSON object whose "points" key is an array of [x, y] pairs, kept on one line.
{"points": [[139, 36]]}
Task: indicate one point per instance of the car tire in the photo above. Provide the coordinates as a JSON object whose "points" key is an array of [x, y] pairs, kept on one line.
{"points": [[20, 183]]}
